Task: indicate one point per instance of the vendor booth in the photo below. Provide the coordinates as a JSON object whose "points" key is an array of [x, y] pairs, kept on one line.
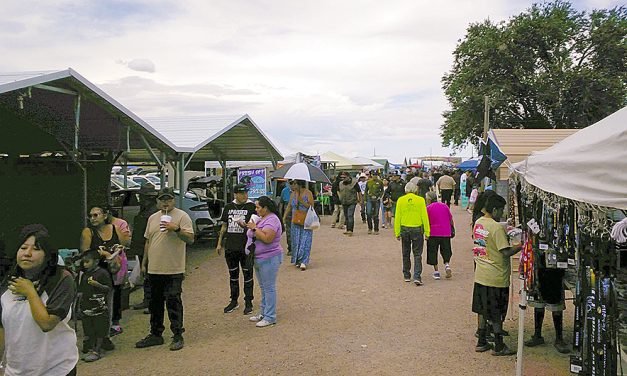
{"points": [[567, 199]]}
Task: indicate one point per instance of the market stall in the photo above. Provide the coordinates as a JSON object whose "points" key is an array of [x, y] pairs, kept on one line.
{"points": [[567, 199]]}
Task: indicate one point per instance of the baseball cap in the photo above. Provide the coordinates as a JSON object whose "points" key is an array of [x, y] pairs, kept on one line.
{"points": [[239, 188], [362, 175], [166, 192]]}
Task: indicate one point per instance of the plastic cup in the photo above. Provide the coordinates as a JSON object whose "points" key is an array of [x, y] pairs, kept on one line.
{"points": [[164, 220]]}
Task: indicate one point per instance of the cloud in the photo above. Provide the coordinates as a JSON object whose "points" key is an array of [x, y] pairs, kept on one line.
{"points": [[140, 65]]}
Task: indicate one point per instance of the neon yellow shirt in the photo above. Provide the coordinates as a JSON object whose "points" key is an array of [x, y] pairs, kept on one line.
{"points": [[411, 211]]}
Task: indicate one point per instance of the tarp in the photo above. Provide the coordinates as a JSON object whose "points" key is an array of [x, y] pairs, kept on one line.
{"points": [[470, 164], [341, 162], [589, 166]]}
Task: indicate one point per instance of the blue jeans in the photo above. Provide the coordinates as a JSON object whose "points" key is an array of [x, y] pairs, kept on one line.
{"points": [[412, 241], [266, 271], [372, 213], [349, 216]]}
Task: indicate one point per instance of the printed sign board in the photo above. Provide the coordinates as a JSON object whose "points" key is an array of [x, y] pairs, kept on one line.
{"points": [[255, 179]]}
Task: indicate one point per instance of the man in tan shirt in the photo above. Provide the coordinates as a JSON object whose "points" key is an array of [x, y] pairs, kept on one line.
{"points": [[168, 232], [446, 185]]}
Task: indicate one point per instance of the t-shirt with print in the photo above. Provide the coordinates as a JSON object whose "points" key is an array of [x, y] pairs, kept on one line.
{"points": [[374, 189], [236, 234], [492, 266], [166, 252], [93, 299]]}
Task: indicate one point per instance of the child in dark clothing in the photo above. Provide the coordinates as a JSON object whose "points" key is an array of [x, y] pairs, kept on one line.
{"points": [[95, 284]]}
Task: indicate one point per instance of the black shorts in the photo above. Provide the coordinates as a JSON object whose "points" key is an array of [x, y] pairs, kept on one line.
{"points": [[96, 326], [490, 302], [443, 244]]}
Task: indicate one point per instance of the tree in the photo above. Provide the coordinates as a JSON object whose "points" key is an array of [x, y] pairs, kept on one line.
{"points": [[549, 67]]}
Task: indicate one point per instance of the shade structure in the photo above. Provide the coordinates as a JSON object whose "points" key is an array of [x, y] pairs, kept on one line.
{"points": [[470, 164], [301, 171]]}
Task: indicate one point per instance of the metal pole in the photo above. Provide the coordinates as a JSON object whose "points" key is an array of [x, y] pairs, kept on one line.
{"points": [[521, 325], [181, 177]]}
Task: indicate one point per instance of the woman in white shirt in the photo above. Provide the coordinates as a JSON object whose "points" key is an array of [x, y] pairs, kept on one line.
{"points": [[36, 300]]}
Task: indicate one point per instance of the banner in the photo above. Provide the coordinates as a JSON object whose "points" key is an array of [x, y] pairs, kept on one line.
{"points": [[255, 179]]}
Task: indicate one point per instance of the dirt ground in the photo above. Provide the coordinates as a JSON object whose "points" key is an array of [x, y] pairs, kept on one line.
{"points": [[350, 313]]}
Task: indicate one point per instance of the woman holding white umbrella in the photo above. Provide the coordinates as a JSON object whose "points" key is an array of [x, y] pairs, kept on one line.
{"points": [[300, 201]]}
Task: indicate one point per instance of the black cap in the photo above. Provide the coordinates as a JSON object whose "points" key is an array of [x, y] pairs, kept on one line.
{"points": [[240, 188], [164, 192]]}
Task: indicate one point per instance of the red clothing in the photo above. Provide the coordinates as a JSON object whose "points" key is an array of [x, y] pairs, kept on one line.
{"points": [[440, 218]]}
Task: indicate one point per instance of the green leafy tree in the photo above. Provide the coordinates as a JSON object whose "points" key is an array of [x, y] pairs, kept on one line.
{"points": [[549, 67]]}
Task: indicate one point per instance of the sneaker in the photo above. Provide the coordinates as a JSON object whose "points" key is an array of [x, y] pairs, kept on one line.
{"points": [[342, 227], [107, 345], [248, 308], [150, 340], [91, 357], [256, 318], [333, 225], [505, 351], [382, 226], [561, 346], [376, 232], [483, 347], [448, 271], [147, 311], [263, 323], [349, 233], [303, 267], [534, 341], [436, 275], [407, 279], [115, 330], [177, 343], [233, 305], [369, 232], [418, 282]]}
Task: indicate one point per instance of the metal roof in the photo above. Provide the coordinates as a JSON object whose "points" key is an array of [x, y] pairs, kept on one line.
{"points": [[518, 144], [46, 98]]}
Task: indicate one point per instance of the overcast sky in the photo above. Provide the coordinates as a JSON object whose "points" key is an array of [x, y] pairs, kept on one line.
{"points": [[344, 76]]}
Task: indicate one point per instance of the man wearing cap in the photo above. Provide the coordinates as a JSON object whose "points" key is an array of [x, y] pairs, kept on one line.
{"points": [[167, 234], [147, 207], [235, 216], [397, 189], [373, 194], [349, 194]]}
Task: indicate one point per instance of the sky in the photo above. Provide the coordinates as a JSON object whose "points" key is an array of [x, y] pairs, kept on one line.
{"points": [[358, 78]]}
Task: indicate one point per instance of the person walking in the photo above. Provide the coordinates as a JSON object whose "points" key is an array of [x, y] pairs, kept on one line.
{"points": [[337, 218], [373, 194], [411, 225], [457, 189], [442, 230], [397, 189], [234, 218], [492, 253], [264, 237], [424, 184], [446, 185], [363, 179], [349, 195], [386, 204], [462, 190], [168, 233], [300, 201]]}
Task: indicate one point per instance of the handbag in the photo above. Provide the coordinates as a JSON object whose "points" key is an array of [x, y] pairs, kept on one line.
{"points": [[312, 222], [298, 217]]}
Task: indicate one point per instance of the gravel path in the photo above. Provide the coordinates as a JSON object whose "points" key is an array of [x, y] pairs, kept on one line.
{"points": [[350, 313]]}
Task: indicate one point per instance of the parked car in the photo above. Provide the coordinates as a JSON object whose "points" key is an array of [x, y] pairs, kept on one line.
{"points": [[147, 179], [117, 183], [125, 204]]}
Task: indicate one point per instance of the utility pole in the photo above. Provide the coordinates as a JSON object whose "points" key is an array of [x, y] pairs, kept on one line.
{"points": [[486, 117]]}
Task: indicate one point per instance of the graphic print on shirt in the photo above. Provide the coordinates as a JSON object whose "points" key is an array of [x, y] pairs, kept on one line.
{"points": [[235, 215], [480, 234]]}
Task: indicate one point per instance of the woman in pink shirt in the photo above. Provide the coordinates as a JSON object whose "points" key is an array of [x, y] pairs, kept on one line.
{"points": [[442, 230]]}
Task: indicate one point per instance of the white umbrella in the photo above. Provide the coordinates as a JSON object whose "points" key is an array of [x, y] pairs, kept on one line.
{"points": [[301, 171]]}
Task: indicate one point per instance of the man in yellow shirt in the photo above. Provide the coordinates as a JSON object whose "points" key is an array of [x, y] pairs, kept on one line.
{"points": [[492, 254], [411, 225]]}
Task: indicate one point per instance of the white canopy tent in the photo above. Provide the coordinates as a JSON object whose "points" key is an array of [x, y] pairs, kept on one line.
{"points": [[589, 166], [341, 162]]}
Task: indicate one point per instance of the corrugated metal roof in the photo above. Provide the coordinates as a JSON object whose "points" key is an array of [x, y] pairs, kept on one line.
{"points": [[208, 137], [518, 144]]}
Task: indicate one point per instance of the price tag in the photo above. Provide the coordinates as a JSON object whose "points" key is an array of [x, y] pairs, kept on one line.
{"points": [[543, 247], [571, 262], [533, 226], [562, 265]]}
